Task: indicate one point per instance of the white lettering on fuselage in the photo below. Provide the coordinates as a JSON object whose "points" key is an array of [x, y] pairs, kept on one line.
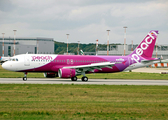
{"points": [[143, 46], [119, 59], [41, 57]]}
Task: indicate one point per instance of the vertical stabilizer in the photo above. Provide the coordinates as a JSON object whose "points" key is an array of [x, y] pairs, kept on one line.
{"points": [[146, 47]]}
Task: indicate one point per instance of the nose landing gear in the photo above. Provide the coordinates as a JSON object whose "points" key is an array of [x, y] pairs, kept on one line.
{"points": [[25, 76]]}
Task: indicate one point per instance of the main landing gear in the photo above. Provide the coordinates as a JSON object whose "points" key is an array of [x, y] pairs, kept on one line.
{"points": [[74, 78], [84, 78], [25, 76]]}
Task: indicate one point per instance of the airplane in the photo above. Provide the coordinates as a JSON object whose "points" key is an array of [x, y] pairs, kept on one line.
{"points": [[70, 66]]}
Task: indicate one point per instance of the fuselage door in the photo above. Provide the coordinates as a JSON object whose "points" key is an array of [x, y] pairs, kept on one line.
{"points": [[26, 60]]}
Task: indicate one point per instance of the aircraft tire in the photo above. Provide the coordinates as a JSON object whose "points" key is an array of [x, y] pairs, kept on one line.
{"points": [[24, 78], [84, 79], [74, 78]]}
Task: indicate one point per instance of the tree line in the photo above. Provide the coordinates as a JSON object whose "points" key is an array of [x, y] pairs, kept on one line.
{"points": [[61, 47]]}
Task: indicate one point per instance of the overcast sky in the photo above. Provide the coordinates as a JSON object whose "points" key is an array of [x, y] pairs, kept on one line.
{"points": [[85, 20]]}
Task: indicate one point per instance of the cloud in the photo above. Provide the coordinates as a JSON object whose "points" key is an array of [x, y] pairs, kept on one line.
{"points": [[22, 29], [85, 20]]}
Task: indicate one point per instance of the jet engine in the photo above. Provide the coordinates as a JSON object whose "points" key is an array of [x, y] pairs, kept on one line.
{"points": [[66, 73], [50, 75]]}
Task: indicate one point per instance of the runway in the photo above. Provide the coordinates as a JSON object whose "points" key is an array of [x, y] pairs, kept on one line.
{"points": [[91, 81]]}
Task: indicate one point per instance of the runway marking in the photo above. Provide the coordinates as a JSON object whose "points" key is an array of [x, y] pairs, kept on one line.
{"points": [[91, 81]]}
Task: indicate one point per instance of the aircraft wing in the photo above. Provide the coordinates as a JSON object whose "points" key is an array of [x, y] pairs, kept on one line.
{"points": [[91, 67]]}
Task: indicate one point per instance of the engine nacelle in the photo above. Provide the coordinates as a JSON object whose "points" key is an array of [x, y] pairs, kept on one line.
{"points": [[66, 73], [49, 75]]}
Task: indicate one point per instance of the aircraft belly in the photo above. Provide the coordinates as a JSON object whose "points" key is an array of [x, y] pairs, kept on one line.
{"points": [[107, 70]]}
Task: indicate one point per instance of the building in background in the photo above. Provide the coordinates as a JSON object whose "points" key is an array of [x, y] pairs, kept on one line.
{"points": [[27, 45], [118, 50]]}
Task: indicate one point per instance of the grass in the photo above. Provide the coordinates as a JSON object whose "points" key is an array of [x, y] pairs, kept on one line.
{"points": [[83, 102], [129, 75], [120, 75], [9, 74]]}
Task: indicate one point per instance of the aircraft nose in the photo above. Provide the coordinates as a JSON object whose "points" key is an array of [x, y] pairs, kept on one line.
{"points": [[5, 66]]}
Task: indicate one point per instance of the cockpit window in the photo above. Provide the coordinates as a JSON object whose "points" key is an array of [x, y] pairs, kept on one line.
{"points": [[13, 59]]}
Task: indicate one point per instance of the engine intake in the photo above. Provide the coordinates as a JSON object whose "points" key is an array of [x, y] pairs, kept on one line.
{"points": [[66, 73]]}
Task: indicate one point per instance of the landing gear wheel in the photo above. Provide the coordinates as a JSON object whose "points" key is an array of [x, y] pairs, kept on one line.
{"points": [[74, 78], [84, 79], [24, 78]]}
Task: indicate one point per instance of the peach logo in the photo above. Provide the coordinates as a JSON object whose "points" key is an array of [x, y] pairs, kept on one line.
{"points": [[144, 45], [41, 57]]}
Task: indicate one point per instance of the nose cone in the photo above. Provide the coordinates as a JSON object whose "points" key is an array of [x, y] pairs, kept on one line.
{"points": [[6, 66]]}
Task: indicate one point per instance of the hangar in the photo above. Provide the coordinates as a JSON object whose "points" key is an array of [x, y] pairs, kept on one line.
{"points": [[27, 45]]}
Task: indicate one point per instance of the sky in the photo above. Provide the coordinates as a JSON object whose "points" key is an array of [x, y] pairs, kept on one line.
{"points": [[85, 20]]}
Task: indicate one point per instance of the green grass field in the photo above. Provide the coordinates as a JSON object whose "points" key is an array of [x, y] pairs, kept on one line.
{"points": [[120, 75], [83, 102]]}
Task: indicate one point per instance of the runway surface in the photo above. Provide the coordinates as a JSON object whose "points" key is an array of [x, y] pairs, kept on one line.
{"points": [[91, 81]]}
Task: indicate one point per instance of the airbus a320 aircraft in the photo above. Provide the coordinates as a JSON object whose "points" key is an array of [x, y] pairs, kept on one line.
{"points": [[70, 66]]}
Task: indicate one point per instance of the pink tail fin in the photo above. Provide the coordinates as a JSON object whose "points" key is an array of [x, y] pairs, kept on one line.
{"points": [[146, 47]]}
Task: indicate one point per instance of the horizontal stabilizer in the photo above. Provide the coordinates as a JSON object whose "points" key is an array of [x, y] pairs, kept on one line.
{"points": [[148, 61], [164, 61]]}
